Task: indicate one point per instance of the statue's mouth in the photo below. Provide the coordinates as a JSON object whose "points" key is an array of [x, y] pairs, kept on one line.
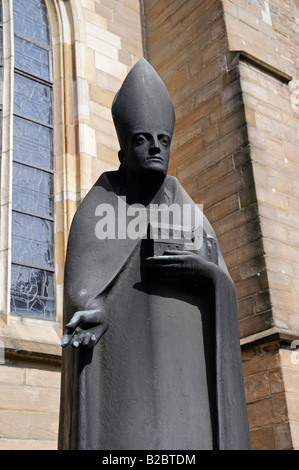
{"points": [[155, 157]]}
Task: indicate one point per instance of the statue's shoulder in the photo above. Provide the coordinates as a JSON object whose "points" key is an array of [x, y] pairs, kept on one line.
{"points": [[179, 194], [108, 180], [102, 191], [172, 180], [172, 185]]}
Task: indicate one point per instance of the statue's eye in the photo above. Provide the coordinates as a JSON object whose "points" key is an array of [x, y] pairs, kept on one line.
{"points": [[140, 139], [164, 141]]}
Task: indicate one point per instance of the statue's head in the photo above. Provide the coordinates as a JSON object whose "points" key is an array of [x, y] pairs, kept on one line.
{"points": [[144, 119]]}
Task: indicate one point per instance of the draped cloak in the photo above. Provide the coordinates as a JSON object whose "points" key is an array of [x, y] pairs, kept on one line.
{"points": [[167, 374]]}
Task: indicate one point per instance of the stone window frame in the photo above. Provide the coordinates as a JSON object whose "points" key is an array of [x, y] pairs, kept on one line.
{"points": [[6, 157]]}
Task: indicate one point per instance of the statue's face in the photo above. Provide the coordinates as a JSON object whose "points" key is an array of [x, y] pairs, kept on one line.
{"points": [[148, 154]]}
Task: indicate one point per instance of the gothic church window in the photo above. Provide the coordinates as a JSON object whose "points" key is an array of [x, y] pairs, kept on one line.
{"points": [[32, 220]]}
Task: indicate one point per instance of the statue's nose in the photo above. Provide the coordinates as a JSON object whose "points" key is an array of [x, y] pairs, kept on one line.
{"points": [[155, 147]]}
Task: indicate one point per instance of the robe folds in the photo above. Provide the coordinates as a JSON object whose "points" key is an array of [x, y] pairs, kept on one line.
{"points": [[167, 374]]}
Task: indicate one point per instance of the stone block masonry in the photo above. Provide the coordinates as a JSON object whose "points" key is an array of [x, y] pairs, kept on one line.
{"points": [[273, 134], [29, 404]]}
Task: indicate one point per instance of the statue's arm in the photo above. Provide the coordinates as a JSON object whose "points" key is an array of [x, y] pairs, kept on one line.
{"points": [[85, 318]]}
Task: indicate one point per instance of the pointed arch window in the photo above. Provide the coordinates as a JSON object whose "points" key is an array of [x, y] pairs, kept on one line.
{"points": [[32, 217]]}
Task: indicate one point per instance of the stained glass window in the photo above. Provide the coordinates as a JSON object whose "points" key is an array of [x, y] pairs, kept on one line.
{"points": [[32, 286]]}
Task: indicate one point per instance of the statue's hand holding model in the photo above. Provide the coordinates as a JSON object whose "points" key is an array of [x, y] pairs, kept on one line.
{"points": [[151, 354], [183, 267]]}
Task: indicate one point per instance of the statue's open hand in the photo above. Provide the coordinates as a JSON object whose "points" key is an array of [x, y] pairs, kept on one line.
{"points": [[181, 266], [85, 328]]}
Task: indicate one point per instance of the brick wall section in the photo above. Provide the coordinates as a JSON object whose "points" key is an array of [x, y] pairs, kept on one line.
{"points": [[271, 387], [273, 134], [265, 398], [210, 152], [268, 30], [29, 405], [289, 359]]}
